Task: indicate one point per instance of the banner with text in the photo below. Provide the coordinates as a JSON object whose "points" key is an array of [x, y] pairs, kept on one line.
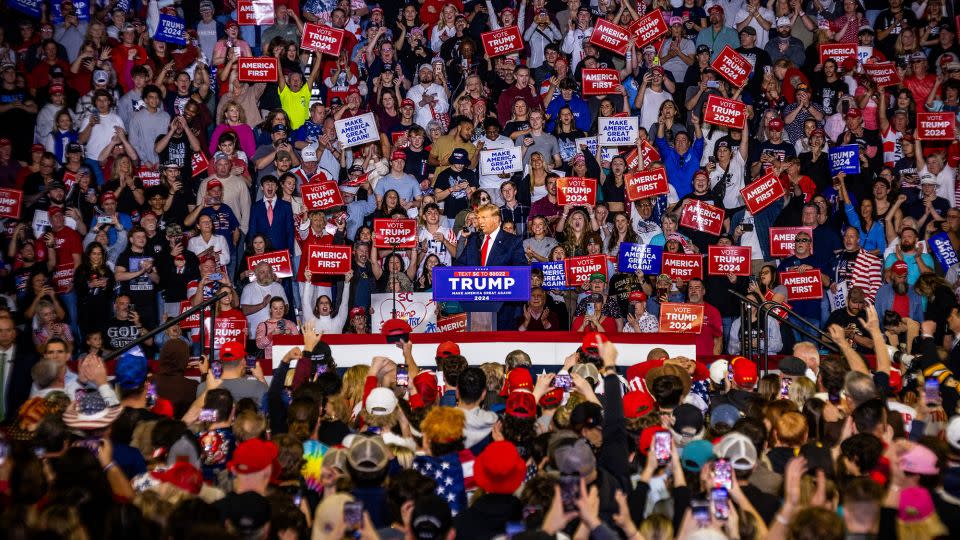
{"points": [[417, 309], [599, 81], [802, 285], [357, 130], [329, 259], [481, 283], [257, 70], [324, 39], [255, 12], [936, 126], [578, 269], [648, 28], [882, 73], [618, 130], [502, 41], [171, 29], [554, 276], [643, 184], [838, 52], [725, 112], [702, 216], [395, 233], [733, 67], [501, 160], [576, 191], [279, 262], [763, 192], [681, 318], [321, 195], [723, 260], [10, 202], [781, 240], [682, 266], [845, 159], [610, 36], [644, 258], [943, 250]]}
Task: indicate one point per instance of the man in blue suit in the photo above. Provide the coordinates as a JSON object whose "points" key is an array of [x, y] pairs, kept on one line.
{"points": [[272, 216], [492, 246]]}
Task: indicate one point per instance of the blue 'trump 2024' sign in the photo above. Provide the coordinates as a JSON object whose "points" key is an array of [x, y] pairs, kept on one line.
{"points": [[481, 283]]}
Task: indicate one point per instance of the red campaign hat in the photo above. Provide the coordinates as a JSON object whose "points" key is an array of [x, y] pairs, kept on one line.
{"points": [[395, 327], [499, 468], [448, 348], [817, 131], [639, 371], [232, 351], [426, 384], [206, 258], [521, 405], [552, 399], [230, 23], [699, 173], [37, 148], [592, 341], [358, 311], [253, 455], [108, 196], [637, 296], [646, 438], [900, 268], [407, 102], [398, 154], [715, 8], [214, 184], [183, 475], [637, 404], [775, 124], [744, 371], [519, 378], [854, 113], [896, 380], [54, 211]]}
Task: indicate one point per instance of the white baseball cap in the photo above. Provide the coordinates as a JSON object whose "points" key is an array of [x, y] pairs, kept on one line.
{"points": [[953, 433], [381, 401], [718, 371]]}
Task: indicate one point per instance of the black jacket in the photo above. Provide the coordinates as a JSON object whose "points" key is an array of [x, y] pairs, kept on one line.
{"points": [[20, 380], [488, 517]]}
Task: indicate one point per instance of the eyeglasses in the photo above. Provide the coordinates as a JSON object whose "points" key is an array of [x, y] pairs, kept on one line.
{"points": [[801, 240]]}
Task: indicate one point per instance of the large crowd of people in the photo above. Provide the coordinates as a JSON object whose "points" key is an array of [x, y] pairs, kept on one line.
{"points": [[144, 170]]}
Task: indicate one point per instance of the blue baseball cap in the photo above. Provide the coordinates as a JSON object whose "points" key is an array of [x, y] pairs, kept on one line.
{"points": [[459, 157], [131, 370]]}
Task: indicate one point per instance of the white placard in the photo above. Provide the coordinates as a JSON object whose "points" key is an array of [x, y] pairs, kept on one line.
{"points": [[838, 300], [591, 143], [418, 309], [501, 161], [608, 152], [618, 130], [357, 130]]}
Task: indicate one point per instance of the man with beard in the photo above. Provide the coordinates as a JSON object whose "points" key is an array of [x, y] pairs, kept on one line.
{"points": [[137, 275], [757, 57], [431, 98], [828, 87], [177, 145], [125, 327], [908, 251], [852, 320], [856, 266], [899, 296]]}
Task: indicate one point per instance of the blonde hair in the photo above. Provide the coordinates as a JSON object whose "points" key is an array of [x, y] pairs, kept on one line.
{"points": [[241, 115], [61, 519], [353, 380], [801, 389], [249, 425], [403, 454], [494, 372], [656, 527]]}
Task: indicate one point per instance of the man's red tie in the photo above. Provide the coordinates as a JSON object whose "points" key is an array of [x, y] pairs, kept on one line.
{"points": [[483, 250], [270, 212]]}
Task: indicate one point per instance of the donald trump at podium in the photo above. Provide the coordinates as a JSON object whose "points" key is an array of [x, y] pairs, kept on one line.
{"points": [[492, 246]]}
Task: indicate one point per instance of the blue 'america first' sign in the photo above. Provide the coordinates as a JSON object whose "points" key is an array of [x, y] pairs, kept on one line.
{"points": [[481, 283]]}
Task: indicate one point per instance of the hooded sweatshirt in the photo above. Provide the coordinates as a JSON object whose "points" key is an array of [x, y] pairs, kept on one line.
{"points": [[169, 379], [479, 424]]}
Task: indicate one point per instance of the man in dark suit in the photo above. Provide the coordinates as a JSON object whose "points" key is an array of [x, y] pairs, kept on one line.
{"points": [[492, 246], [17, 357], [272, 216]]}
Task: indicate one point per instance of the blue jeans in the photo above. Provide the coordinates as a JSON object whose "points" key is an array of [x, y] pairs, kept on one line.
{"points": [[69, 301], [727, 322]]}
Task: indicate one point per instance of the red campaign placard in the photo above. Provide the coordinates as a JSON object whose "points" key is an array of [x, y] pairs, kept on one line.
{"points": [[255, 69], [645, 184], [649, 154], [933, 126], [681, 318], [633, 160], [725, 112], [763, 192], [317, 37], [781, 240], [395, 139], [10, 202], [610, 36], [192, 321], [578, 269], [802, 285], [769, 296], [723, 260], [702, 216], [733, 67], [395, 233], [321, 195], [279, 261], [149, 177], [320, 176], [358, 181], [599, 81], [648, 28], [453, 323], [199, 164], [329, 259], [63, 278], [69, 179], [577, 191], [226, 329], [882, 73], [503, 41], [683, 266], [839, 52], [255, 12]]}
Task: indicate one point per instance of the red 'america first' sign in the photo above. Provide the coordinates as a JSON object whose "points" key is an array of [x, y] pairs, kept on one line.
{"points": [[781, 240], [256, 70], [702, 216], [838, 52], [802, 285], [682, 266], [599, 81], [762, 192], [645, 184], [610, 36], [329, 259]]}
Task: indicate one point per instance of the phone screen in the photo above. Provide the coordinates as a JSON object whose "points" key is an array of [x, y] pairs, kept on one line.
{"points": [[722, 474], [931, 391], [251, 362], [353, 515], [403, 377], [217, 368], [721, 503], [701, 513], [563, 380], [591, 310], [662, 447], [569, 491], [785, 386]]}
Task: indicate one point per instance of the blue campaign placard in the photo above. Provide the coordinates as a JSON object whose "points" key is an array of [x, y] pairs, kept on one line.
{"points": [[29, 7], [481, 283], [643, 258], [82, 7], [943, 250], [171, 30], [554, 277], [845, 159]]}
